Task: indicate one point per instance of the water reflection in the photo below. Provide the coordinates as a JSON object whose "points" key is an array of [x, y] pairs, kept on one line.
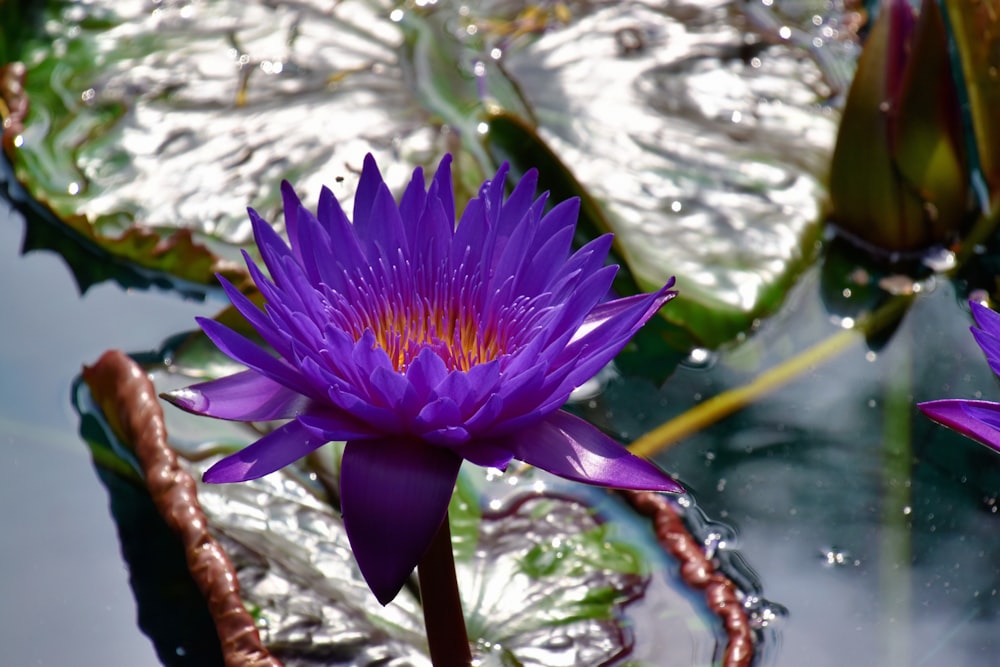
{"points": [[62, 572], [874, 527]]}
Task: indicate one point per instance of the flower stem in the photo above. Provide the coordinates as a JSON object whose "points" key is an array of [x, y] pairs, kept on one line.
{"points": [[447, 638]]}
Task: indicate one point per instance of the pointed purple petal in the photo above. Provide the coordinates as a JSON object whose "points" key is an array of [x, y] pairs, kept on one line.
{"points": [[257, 318], [411, 204], [986, 319], [394, 495], [335, 425], [604, 333], [988, 334], [364, 197], [431, 238], [518, 202], [336, 225], [246, 396], [569, 447], [384, 231], [272, 247], [292, 205], [979, 420], [275, 450], [441, 188], [251, 355]]}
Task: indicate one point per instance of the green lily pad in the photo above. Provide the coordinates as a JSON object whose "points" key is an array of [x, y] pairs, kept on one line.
{"points": [[705, 158], [149, 132]]}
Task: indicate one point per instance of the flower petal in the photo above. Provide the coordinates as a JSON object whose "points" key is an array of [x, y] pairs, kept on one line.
{"points": [[988, 333], [275, 450], [336, 226], [586, 354], [292, 206], [979, 420], [246, 396], [394, 495], [364, 197], [248, 353], [570, 447], [335, 425], [485, 453], [987, 319]]}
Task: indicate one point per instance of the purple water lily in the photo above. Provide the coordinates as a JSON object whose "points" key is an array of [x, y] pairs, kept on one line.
{"points": [[422, 344], [979, 420]]}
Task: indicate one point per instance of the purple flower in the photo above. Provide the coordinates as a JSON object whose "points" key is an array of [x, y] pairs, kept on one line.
{"points": [[421, 343], [979, 420]]}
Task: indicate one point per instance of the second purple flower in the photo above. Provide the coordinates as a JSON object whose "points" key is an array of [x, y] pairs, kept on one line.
{"points": [[976, 419]]}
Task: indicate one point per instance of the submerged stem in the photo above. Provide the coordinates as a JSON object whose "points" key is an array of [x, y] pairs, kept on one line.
{"points": [[722, 405], [447, 637], [896, 549]]}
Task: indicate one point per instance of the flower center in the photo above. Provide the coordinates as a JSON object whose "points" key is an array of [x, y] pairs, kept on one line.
{"points": [[457, 334]]}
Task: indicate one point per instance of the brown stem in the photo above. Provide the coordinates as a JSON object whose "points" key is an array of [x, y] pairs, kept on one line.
{"points": [[447, 638]]}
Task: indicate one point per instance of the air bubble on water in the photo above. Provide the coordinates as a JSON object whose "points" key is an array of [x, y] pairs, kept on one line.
{"points": [[834, 557], [762, 613]]}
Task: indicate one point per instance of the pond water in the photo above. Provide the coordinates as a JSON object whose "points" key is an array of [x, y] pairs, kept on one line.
{"points": [[63, 584], [874, 528]]}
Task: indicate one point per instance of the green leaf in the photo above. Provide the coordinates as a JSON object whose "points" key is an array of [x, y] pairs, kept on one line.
{"points": [[704, 167]]}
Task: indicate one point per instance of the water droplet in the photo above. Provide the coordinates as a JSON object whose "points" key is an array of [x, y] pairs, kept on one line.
{"points": [[836, 558], [700, 358]]}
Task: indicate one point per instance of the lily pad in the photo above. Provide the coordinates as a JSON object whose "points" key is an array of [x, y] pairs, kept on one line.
{"points": [[152, 127], [550, 573], [146, 121], [707, 156]]}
